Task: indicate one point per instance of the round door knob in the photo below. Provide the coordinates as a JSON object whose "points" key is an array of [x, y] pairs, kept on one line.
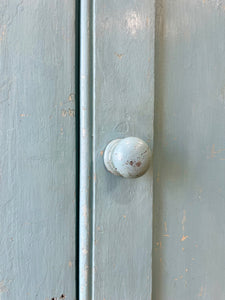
{"points": [[129, 157]]}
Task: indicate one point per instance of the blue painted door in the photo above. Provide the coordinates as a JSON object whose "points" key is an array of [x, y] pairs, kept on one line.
{"points": [[37, 149], [189, 169], [134, 57], [141, 63], [116, 101]]}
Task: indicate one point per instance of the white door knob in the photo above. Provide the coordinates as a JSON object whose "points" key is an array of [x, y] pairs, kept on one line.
{"points": [[129, 157]]}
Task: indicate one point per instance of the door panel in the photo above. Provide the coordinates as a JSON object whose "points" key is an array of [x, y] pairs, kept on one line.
{"points": [[189, 156], [124, 95], [37, 166], [121, 104]]}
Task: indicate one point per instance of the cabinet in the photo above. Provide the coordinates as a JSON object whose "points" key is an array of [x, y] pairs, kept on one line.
{"points": [[76, 75]]}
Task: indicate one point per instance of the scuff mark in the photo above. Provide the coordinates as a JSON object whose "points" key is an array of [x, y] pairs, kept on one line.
{"points": [[215, 152], [2, 32], [3, 287], [71, 97], [6, 89], [86, 274], [70, 112], [183, 220], [184, 238], [83, 132], [165, 226], [119, 55], [201, 292], [134, 22], [157, 178], [64, 113], [85, 251]]}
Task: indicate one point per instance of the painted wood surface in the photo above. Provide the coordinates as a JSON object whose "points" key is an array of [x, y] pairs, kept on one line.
{"points": [[123, 93], [85, 156], [37, 149], [189, 155]]}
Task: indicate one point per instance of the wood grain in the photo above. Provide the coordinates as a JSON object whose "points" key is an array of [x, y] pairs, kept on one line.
{"points": [[37, 152], [189, 169], [123, 106]]}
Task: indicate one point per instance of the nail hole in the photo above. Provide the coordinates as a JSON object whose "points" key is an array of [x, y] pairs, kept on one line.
{"points": [[62, 296]]}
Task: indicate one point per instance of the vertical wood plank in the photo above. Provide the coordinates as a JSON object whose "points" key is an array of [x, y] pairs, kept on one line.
{"points": [[123, 106], [189, 166], [37, 149], [85, 196]]}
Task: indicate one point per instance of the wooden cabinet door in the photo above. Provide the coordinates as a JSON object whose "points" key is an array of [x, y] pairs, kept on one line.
{"points": [[37, 149], [135, 54], [116, 101], [119, 67], [189, 165]]}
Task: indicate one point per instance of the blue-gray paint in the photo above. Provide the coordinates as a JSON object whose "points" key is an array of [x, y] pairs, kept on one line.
{"points": [[123, 95], [189, 156], [37, 152], [86, 178], [129, 157]]}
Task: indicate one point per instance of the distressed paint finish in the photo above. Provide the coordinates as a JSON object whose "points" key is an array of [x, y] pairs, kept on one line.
{"points": [[85, 180], [37, 152], [189, 155], [129, 157], [123, 107]]}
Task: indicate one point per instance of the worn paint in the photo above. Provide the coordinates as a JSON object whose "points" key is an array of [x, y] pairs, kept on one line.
{"points": [[189, 194], [37, 163], [123, 95], [129, 157], [86, 176]]}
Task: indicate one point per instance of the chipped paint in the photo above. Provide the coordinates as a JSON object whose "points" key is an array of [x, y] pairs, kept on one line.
{"points": [[119, 55], [70, 264], [201, 291], [184, 238], [214, 152], [69, 112], [129, 157], [165, 226]]}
